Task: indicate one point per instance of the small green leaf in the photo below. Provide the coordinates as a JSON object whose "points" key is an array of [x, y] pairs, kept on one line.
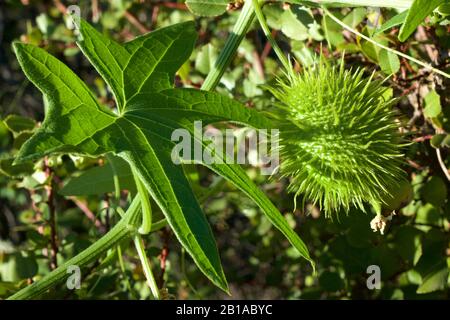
{"points": [[389, 61], [419, 10], [435, 191], [435, 280], [100, 180], [437, 139], [18, 124], [19, 170], [21, 138], [302, 53], [273, 16], [444, 9], [428, 214], [205, 59], [408, 242], [333, 31], [432, 105], [387, 259], [398, 195], [446, 141], [294, 23], [355, 17], [18, 266], [207, 8]]}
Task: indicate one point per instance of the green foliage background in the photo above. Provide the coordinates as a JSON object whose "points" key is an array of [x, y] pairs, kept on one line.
{"points": [[259, 263]]}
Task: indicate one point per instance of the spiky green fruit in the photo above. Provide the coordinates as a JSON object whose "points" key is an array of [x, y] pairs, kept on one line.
{"points": [[339, 142]]}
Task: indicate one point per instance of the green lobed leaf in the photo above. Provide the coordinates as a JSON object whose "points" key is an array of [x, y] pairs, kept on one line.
{"points": [[77, 123], [140, 73], [176, 106], [208, 8], [226, 110]]}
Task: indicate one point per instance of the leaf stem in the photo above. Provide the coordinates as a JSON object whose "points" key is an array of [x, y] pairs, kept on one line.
{"points": [[140, 248], [268, 34], [145, 228], [401, 54], [139, 244], [145, 204]]}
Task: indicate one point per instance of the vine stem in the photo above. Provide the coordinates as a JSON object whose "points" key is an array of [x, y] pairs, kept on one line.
{"points": [[401, 54], [268, 34]]}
